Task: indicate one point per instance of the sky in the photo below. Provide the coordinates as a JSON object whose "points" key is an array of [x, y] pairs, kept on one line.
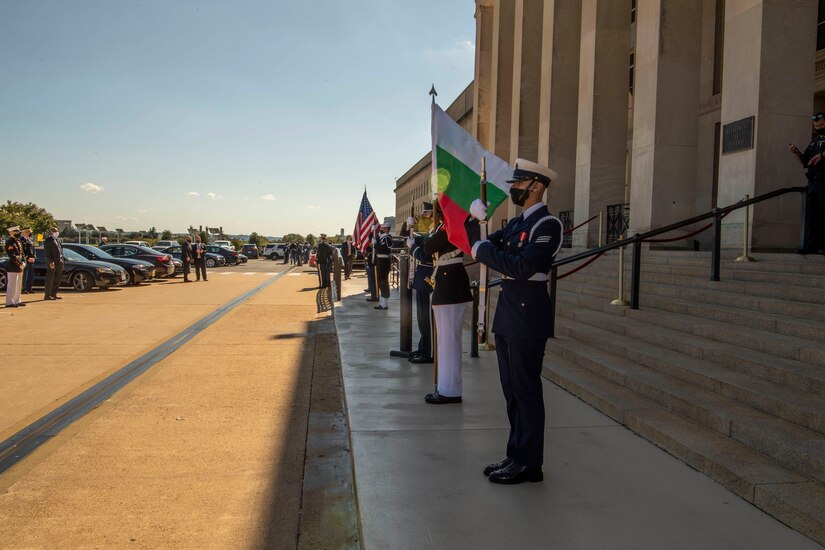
{"points": [[254, 115]]}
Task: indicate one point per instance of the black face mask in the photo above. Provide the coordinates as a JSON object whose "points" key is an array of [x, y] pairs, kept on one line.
{"points": [[819, 131], [16, 235], [519, 196]]}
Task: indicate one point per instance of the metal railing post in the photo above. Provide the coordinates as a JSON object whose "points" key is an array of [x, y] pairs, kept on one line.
{"points": [[405, 309], [474, 322], [803, 220], [716, 257], [601, 228], [636, 276], [554, 278], [620, 301], [745, 257]]}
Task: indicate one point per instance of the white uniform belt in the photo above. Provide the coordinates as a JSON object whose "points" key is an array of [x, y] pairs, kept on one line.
{"points": [[537, 277], [382, 255], [449, 261]]}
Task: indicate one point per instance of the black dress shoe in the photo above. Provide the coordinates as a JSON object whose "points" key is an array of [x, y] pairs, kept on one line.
{"points": [[418, 360], [50, 298], [22, 304], [381, 307], [438, 399], [57, 297], [372, 300], [490, 468], [513, 474], [12, 305]]}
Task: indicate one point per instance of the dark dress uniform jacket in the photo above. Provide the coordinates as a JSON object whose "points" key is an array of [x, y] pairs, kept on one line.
{"points": [[424, 268], [452, 285], [524, 248], [28, 247], [14, 251]]}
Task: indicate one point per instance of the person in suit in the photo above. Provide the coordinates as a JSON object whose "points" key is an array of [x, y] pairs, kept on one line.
{"points": [[14, 269], [523, 253], [199, 258], [323, 257], [186, 258], [348, 252], [28, 252], [383, 249], [53, 252], [423, 290], [451, 292]]}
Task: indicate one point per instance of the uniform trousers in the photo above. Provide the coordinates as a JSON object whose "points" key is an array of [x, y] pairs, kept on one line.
{"points": [[813, 238], [449, 320], [53, 279], [14, 283], [323, 267], [28, 277], [383, 266], [348, 267], [519, 366], [370, 270], [424, 317]]}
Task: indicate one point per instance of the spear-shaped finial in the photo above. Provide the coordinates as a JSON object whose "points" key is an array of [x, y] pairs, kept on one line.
{"points": [[433, 92]]}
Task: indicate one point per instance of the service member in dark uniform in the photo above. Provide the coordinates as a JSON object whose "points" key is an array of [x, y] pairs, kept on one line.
{"points": [[53, 251], [369, 269], [323, 257], [423, 290], [14, 268], [523, 253], [813, 240], [451, 292], [383, 249], [186, 258], [28, 252]]}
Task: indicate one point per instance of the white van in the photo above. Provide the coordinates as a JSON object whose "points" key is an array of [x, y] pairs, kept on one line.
{"points": [[224, 244]]}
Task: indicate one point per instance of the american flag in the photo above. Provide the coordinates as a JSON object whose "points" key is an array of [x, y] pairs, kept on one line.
{"points": [[364, 224]]}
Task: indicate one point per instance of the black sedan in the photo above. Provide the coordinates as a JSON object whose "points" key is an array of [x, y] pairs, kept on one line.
{"points": [[139, 271], [164, 266], [231, 257], [212, 260], [78, 272]]}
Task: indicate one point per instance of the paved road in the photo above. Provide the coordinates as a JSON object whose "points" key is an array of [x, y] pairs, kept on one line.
{"points": [[205, 450]]}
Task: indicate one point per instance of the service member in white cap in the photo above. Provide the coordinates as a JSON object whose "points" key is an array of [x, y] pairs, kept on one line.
{"points": [[383, 249], [523, 253], [14, 268]]}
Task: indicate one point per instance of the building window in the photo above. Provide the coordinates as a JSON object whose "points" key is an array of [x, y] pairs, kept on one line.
{"points": [[820, 26]]}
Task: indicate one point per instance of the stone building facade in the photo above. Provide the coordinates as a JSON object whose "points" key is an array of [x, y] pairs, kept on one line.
{"points": [[661, 109]]}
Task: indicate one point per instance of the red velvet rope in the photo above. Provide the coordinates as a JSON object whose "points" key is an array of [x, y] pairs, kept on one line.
{"points": [[682, 237], [581, 224], [585, 264]]}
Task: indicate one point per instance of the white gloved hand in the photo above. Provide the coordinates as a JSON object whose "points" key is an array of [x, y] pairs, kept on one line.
{"points": [[478, 210], [410, 222]]}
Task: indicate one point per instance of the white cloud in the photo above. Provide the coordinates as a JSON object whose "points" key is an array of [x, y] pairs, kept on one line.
{"points": [[91, 188], [313, 207], [193, 194], [459, 51], [268, 197], [213, 196]]}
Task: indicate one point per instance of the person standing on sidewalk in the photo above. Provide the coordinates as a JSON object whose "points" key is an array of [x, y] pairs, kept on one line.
{"points": [[199, 257], [186, 258], [14, 269], [523, 253], [323, 257], [813, 240], [451, 292], [53, 251], [383, 248], [28, 252], [422, 277], [348, 252]]}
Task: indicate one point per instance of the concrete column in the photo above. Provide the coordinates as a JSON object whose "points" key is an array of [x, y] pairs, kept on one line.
{"points": [[483, 82], [527, 54], [558, 105], [501, 100], [665, 113], [601, 156], [769, 53]]}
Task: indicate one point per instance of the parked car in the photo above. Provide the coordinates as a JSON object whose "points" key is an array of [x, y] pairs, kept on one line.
{"points": [[359, 261], [165, 244], [242, 258], [251, 251], [164, 267], [78, 272], [212, 260], [274, 251], [137, 243], [138, 271], [231, 257], [224, 244]]}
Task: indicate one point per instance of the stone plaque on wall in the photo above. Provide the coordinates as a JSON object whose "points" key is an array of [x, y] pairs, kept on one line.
{"points": [[737, 135]]}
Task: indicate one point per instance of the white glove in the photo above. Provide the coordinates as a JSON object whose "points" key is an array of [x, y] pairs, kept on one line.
{"points": [[478, 210], [410, 221]]}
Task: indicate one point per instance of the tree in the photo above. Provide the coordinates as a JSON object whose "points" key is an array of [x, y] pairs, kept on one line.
{"points": [[166, 235], [289, 237], [237, 244], [153, 232], [311, 239], [29, 214], [204, 237]]}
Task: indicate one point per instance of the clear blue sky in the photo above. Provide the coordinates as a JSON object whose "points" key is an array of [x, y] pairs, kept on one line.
{"points": [[116, 112]]}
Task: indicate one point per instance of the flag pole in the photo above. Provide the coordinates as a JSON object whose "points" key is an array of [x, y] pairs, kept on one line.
{"points": [[483, 275], [434, 191]]}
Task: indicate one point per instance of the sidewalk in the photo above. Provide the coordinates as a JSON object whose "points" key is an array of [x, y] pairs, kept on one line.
{"points": [[418, 466]]}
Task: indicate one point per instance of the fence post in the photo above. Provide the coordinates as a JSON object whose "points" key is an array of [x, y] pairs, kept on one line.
{"points": [[716, 256], [636, 276], [405, 309], [554, 277], [474, 321]]}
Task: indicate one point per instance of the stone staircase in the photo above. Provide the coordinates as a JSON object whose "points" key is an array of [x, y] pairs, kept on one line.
{"points": [[727, 376]]}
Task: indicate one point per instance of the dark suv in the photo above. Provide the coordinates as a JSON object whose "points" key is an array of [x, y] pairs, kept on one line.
{"points": [[251, 251]]}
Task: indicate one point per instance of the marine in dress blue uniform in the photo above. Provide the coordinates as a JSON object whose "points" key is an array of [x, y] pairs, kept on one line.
{"points": [[523, 253]]}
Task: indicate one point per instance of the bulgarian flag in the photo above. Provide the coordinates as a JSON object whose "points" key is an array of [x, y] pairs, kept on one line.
{"points": [[457, 175]]}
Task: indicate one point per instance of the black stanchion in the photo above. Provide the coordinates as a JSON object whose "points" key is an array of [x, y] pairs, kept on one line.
{"points": [[636, 274], [554, 278], [716, 254], [474, 322], [336, 276], [405, 309]]}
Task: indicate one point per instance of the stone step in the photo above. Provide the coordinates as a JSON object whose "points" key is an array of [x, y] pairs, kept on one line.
{"points": [[719, 412], [786, 495]]}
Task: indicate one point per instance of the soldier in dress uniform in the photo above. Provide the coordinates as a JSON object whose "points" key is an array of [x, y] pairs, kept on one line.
{"points": [[14, 268], [383, 249], [523, 253], [369, 269], [451, 292], [423, 290], [28, 252]]}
